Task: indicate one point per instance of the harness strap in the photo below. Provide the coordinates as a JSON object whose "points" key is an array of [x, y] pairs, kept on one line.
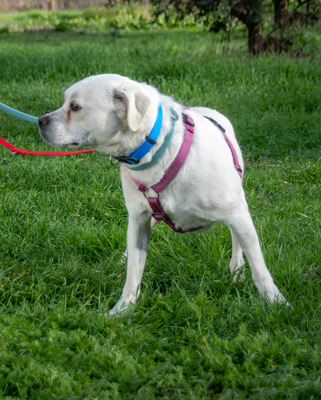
{"points": [[160, 215], [181, 156], [158, 211], [230, 145]]}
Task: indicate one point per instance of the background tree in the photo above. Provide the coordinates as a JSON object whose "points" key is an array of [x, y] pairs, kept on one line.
{"points": [[281, 13], [249, 12]]}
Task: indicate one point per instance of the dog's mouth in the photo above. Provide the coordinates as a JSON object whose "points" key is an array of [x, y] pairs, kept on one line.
{"points": [[81, 143], [56, 139], [58, 143]]}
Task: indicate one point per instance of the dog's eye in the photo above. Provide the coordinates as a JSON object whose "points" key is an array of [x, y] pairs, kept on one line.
{"points": [[74, 107]]}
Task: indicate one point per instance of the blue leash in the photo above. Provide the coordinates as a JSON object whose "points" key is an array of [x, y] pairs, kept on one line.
{"points": [[19, 114], [31, 118]]}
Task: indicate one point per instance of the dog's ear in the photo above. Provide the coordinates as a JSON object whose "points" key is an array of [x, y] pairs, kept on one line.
{"points": [[130, 104]]}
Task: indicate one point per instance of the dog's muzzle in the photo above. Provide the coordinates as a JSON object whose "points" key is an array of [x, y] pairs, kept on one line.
{"points": [[44, 121]]}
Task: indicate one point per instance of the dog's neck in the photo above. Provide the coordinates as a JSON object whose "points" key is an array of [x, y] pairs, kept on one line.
{"points": [[155, 170], [168, 141], [161, 150], [140, 152]]}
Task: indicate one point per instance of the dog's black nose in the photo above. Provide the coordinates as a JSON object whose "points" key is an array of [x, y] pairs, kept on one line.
{"points": [[44, 120]]}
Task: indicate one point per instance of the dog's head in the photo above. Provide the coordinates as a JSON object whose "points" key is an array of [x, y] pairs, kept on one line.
{"points": [[99, 111]]}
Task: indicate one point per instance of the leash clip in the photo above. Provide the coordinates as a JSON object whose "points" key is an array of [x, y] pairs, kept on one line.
{"points": [[14, 153], [113, 161]]}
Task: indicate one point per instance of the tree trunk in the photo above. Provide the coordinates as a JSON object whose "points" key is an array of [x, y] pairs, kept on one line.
{"points": [[52, 5], [255, 39], [281, 14], [250, 13]]}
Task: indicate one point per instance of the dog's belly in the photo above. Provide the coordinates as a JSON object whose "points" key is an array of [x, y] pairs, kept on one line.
{"points": [[191, 218]]}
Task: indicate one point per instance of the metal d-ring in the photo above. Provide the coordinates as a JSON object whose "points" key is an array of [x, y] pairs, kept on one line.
{"points": [[174, 115], [112, 161]]}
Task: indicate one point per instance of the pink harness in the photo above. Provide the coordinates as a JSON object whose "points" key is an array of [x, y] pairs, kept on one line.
{"points": [[158, 212]]}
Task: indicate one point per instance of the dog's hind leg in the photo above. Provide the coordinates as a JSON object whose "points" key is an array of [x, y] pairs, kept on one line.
{"points": [[242, 226], [237, 260]]}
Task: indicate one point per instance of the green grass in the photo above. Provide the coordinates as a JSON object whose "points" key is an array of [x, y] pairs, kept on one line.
{"points": [[131, 16], [193, 334]]}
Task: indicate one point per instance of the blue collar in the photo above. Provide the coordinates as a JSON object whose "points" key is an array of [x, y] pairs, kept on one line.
{"points": [[135, 156], [159, 153]]}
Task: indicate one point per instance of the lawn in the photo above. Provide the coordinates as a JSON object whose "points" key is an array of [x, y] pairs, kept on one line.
{"points": [[194, 334]]}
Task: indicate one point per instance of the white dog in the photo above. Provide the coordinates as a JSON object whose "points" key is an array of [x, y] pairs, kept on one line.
{"points": [[182, 166]]}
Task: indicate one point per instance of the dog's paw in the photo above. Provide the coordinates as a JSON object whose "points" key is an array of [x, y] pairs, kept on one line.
{"points": [[239, 275], [237, 268], [123, 304], [282, 300], [274, 296]]}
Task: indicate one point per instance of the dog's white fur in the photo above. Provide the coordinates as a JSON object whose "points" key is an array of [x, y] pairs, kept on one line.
{"points": [[113, 114]]}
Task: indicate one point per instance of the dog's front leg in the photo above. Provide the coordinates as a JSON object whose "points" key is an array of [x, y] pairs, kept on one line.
{"points": [[125, 253], [138, 237]]}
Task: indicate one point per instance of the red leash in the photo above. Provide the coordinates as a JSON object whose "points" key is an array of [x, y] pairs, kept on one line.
{"points": [[16, 151], [31, 118]]}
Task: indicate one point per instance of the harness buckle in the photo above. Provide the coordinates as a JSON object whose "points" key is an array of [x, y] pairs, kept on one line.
{"points": [[160, 216], [127, 160], [149, 140]]}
